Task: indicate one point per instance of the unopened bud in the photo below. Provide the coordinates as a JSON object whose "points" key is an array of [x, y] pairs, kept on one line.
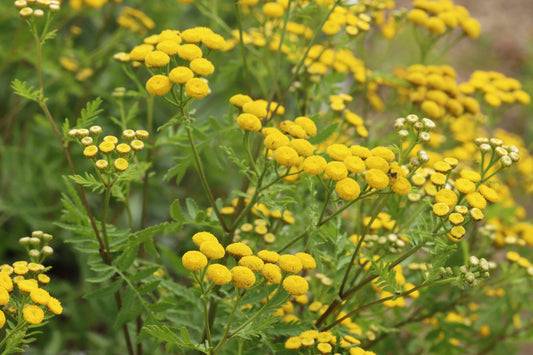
{"points": [[47, 237], [26, 12], [412, 118], [425, 137], [34, 254], [47, 250], [35, 241], [506, 160], [24, 241]]}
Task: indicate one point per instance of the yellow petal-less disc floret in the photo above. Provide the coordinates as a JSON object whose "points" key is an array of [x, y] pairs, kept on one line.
{"points": [[475, 199], [383, 152], [120, 164], [290, 263], [54, 306], [4, 296], [441, 209], [488, 193], [39, 296], [446, 196], [123, 148], [295, 285], [336, 170], [249, 122], [196, 88], [360, 151], [465, 186], [158, 85], [2, 319], [194, 260], [33, 314], [308, 262], [5, 281], [90, 151], [401, 186], [314, 165], [307, 124], [293, 343], [189, 52], [239, 100], [348, 189], [242, 277], [268, 256], [275, 140], [27, 285], [219, 274], [156, 59], [256, 107], [180, 75], [470, 175], [213, 41], [272, 273], [212, 249], [375, 162], [286, 156], [239, 249], [302, 147], [354, 164], [252, 262], [201, 237], [202, 66], [338, 152], [377, 179]]}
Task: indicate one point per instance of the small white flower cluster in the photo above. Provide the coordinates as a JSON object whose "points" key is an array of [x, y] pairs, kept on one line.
{"points": [[36, 8]]}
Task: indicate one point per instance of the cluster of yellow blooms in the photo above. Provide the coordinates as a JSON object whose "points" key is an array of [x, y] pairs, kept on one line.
{"points": [[136, 20], [325, 342], [271, 264], [21, 285], [171, 47], [291, 149], [109, 147], [435, 89], [93, 4], [442, 15], [469, 187], [36, 8]]}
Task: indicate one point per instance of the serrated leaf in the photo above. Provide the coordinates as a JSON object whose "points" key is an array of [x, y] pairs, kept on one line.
{"points": [[175, 211], [105, 291], [148, 287], [88, 181], [126, 259], [90, 113], [192, 208], [143, 273], [21, 89]]}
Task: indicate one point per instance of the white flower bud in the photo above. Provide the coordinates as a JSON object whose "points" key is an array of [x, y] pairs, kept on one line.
{"points": [[26, 12], [38, 13], [34, 253], [514, 156], [481, 140], [403, 134], [485, 148], [47, 250], [429, 124], [412, 118], [425, 137], [506, 160], [500, 151], [495, 142]]}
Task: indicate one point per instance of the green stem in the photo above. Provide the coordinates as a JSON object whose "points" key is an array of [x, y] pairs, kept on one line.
{"points": [[225, 337], [203, 179], [243, 49], [384, 299]]}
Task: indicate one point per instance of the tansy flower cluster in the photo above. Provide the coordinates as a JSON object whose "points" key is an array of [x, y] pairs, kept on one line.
{"points": [[36, 9], [242, 275], [253, 112], [338, 104], [109, 150], [135, 20], [22, 296], [443, 15], [355, 165], [78, 5], [179, 59], [463, 198], [435, 89], [496, 88]]}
